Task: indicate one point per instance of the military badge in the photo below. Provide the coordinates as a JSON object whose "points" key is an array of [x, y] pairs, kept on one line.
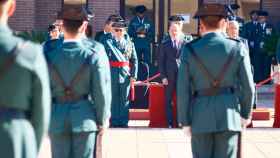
{"points": [[268, 31]]}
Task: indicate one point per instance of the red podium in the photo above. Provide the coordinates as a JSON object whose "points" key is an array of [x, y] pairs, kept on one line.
{"points": [[157, 106], [276, 123]]}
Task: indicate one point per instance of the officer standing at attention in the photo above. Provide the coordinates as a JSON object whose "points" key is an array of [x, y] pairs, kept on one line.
{"points": [[250, 32], [124, 66], [265, 32], [142, 31], [209, 106], [24, 93], [170, 50], [79, 84]]}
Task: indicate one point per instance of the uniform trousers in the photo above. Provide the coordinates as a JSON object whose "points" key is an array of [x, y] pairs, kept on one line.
{"points": [[215, 145], [73, 145], [17, 138], [120, 98]]}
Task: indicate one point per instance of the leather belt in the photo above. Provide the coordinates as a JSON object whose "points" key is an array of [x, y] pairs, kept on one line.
{"points": [[69, 99], [213, 91], [11, 113]]}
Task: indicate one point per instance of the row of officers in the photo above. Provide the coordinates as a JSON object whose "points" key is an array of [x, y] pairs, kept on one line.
{"points": [[78, 86]]}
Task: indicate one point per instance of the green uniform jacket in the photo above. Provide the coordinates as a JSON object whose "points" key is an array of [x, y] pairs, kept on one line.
{"points": [[222, 112], [25, 87], [84, 115]]}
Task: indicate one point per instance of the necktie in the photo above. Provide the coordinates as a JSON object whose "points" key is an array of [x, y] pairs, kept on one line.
{"points": [[176, 43]]}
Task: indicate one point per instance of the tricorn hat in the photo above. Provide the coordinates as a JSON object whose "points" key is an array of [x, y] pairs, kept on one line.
{"points": [[76, 12], [120, 23], [211, 9], [140, 9], [176, 18], [262, 13]]}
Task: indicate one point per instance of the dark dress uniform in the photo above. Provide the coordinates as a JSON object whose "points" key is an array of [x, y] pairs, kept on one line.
{"points": [[168, 68], [250, 32], [99, 35], [142, 31], [80, 84], [24, 96], [211, 70], [265, 31], [50, 45], [278, 51], [124, 65]]}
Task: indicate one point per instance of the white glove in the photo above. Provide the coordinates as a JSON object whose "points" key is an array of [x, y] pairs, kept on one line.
{"points": [[187, 130], [102, 129], [165, 81], [245, 122]]}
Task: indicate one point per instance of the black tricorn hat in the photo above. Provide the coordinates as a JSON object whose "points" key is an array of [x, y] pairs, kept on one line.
{"points": [[176, 18], [76, 13], [211, 9], [114, 18], [90, 14], [140, 9], [229, 10], [119, 23], [234, 6], [262, 13]]}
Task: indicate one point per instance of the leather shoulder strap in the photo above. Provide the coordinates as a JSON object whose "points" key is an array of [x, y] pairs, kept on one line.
{"points": [[80, 72], [58, 78], [214, 81], [11, 59], [56, 74], [200, 64], [225, 68]]}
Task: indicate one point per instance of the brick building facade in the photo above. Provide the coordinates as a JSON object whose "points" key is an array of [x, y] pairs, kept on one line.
{"points": [[38, 14]]}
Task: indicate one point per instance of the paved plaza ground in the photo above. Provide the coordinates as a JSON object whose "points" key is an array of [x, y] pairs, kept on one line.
{"points": [[139, 141]]}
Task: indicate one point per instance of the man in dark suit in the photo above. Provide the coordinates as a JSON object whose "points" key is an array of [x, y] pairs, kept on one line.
{"points": [[169, 60]]}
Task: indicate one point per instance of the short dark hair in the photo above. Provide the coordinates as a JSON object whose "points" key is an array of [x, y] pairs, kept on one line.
{"points": [[211, 22], [72, 26]]}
